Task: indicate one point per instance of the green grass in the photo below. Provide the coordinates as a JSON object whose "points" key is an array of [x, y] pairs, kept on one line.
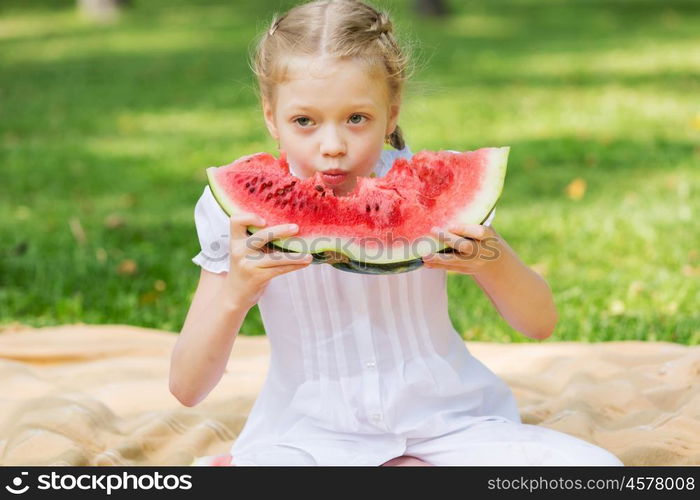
{"points": [[98, 121]]}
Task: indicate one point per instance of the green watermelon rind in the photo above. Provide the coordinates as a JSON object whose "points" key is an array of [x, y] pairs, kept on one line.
{"points": [[476, 213]]}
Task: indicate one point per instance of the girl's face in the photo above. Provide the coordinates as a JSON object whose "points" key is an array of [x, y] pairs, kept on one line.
{"points": [[331, 117]]}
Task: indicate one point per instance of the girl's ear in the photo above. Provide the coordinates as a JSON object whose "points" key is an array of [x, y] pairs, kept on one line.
{"points": [[394, 111], [270, 123]]}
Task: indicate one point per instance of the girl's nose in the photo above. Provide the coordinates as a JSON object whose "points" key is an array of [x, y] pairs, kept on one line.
{"points": [[332, 144]]}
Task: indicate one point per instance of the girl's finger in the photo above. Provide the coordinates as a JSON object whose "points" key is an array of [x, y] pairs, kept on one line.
{"points": [[438, 259], [284, 269], [442, 267], [261, 238], [277, 259], [474, 231], [239, 222], [459, 243]]}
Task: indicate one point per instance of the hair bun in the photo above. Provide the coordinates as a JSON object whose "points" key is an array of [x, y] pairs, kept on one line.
{"points": [[382, 24]]}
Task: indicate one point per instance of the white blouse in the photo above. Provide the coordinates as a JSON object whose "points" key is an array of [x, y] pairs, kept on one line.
{"points": [[359, 363]]}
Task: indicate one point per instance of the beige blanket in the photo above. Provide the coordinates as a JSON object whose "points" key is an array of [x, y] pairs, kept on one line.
{"points": [[98, 395]]}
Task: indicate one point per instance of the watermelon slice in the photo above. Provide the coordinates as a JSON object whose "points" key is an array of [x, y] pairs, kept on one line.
{"points": [[384, 225]]}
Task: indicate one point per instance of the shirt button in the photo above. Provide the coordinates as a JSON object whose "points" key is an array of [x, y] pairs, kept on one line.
{"points": [[370, 364], [377, 417]]}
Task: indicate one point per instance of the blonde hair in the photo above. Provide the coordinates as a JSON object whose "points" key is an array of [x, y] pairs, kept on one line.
{"points": [[345, 29]]}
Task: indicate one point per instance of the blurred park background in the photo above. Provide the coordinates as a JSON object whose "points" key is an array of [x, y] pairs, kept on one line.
{"points": [[106, 129]]}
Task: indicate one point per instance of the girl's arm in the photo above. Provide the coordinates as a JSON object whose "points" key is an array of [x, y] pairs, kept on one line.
{"points": [[520, 295], [221, 303], [204, 345]]}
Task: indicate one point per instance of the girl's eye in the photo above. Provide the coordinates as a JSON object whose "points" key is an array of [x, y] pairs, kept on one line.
{"points": [[306, 120], [300, 118]]}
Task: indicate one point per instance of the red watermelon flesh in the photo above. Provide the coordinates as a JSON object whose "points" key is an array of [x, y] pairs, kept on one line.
{"points": [[383, 220]]}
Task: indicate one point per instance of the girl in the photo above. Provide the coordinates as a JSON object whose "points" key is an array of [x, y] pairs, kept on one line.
{"points": [[364, 369]]}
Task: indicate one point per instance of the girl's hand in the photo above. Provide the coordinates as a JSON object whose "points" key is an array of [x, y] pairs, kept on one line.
{"points": [[476, 248], [251, 264]]}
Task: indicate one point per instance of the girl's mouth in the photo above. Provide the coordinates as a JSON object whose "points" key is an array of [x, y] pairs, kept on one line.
{"points": [[334, 179]]}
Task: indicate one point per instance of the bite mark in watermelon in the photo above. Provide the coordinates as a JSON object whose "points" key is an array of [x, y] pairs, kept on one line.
{"points": [[383, 225]]}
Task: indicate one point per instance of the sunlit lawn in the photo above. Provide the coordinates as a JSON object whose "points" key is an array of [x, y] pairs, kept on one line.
{"points": [[105, 133]]}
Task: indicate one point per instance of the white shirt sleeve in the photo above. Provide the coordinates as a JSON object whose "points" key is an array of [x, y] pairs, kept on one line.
{"points": [[212, 226]]}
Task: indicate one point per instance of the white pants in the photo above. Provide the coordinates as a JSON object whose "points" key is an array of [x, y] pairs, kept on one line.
{"points": [[503, 442]]}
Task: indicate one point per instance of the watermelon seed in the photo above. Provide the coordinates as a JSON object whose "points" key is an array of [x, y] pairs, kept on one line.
{"points": [[368, 208], [255, 179], [247, 184], [269, 195], [323, 194], [376, 207], [280, 191], [269, 184], [301, 205], [252, 190], [294, 182], [318, 187]]}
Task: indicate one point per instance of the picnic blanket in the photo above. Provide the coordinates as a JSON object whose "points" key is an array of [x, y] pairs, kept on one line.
{"points": [[98, 395]]}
